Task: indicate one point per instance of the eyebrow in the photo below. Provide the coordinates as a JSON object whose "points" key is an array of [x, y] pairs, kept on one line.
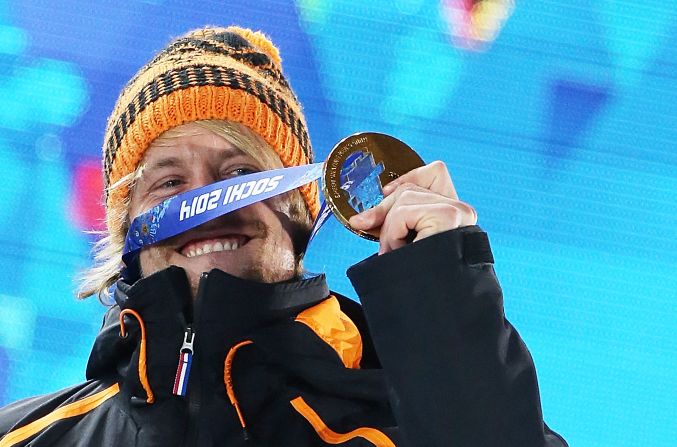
{"points": [[167, 162], [172, 161]]}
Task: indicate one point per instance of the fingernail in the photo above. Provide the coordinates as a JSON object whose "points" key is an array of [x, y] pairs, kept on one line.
{"points": [[388, 188]]}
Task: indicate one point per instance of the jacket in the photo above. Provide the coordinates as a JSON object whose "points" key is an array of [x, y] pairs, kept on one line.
{"points": [[429, 360]]}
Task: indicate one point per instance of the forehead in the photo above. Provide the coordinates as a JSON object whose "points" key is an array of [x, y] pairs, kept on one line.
{"points": [[188, 143], [212, 138]]}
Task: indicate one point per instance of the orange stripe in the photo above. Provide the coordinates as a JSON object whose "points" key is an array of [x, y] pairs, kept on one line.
{"points": [[376, 437], [337, 330], [67, 411]]}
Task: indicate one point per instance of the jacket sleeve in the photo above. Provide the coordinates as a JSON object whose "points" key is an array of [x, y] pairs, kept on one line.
{"points": [[47, 417], [459, 374]]}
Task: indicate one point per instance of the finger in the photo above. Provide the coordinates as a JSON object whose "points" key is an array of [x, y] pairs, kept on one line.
{"points": [[406, 194], [425, 220], [434, 176]]}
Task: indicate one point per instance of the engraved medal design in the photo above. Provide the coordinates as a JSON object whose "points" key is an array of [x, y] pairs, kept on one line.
{"points": [[358, 168]]}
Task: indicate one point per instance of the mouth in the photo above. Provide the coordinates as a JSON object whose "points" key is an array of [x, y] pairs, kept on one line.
{"points": [[195, 248]]}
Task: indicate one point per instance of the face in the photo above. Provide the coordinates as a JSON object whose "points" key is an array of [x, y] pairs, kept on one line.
{"points": [[254, 242]]}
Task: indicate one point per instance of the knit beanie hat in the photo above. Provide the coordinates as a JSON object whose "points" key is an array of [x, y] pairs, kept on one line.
{"points": [[230, 74]]}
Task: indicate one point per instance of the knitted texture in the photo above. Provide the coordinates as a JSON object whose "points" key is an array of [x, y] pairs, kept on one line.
{"points": [[213, 73]]}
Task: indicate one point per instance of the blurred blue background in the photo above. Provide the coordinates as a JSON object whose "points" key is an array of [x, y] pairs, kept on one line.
{"points": [[556, 119]]}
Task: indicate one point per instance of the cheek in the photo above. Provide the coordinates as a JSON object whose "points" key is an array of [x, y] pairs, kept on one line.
{"points": [[277, 253], [154, 259], [284, 255]]}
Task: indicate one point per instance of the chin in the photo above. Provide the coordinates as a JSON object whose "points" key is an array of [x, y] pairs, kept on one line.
{"points": [[250, 271], [244, 263]]}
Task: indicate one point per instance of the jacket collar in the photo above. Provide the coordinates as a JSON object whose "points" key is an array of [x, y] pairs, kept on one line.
{"points": [[226, 310]]}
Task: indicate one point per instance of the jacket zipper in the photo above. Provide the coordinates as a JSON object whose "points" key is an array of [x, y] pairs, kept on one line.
{"points": [[185, 362], [195, 393]]}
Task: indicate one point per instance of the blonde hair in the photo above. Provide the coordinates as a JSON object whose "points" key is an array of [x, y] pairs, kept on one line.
{"points": [[107, 251]]}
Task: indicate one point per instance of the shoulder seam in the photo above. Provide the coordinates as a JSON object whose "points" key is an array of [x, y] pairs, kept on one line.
{"points": [[73, 409]]}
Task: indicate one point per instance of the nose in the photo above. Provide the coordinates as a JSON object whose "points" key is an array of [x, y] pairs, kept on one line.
{"points": [[203, 174]]}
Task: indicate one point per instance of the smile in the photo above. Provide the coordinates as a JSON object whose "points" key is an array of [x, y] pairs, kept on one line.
{"points": [[203, 247]]}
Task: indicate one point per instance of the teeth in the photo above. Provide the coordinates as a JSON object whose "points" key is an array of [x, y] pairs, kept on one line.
{"points": [[217, 246]]}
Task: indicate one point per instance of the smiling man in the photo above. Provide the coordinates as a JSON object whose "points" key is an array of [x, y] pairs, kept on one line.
{"points": [[256, 242], [218, 337]]}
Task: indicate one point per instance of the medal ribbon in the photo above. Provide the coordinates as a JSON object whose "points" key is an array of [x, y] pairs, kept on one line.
{"points": [[189, 209]]}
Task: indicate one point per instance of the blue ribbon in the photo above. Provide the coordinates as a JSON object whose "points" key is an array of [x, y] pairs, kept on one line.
{"points": [[189, 209]]}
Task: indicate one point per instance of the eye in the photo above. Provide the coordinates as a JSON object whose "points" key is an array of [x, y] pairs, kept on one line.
{"points": [[171, 183], [245, 171], [238, 172]]}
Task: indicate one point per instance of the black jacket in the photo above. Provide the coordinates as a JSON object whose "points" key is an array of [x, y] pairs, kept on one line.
{"points": [[282, 365]]}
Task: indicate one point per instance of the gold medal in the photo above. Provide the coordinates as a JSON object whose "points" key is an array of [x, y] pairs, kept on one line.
{"points": [[356, 171]]}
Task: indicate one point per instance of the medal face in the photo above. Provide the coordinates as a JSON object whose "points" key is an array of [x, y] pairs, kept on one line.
{"points": [[356, 171]]}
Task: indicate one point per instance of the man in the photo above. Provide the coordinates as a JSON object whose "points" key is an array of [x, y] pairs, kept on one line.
{"points": [[217, 335]]}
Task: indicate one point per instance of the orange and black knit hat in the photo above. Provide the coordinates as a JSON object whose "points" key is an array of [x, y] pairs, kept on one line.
{"points": [[208, 74]]}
